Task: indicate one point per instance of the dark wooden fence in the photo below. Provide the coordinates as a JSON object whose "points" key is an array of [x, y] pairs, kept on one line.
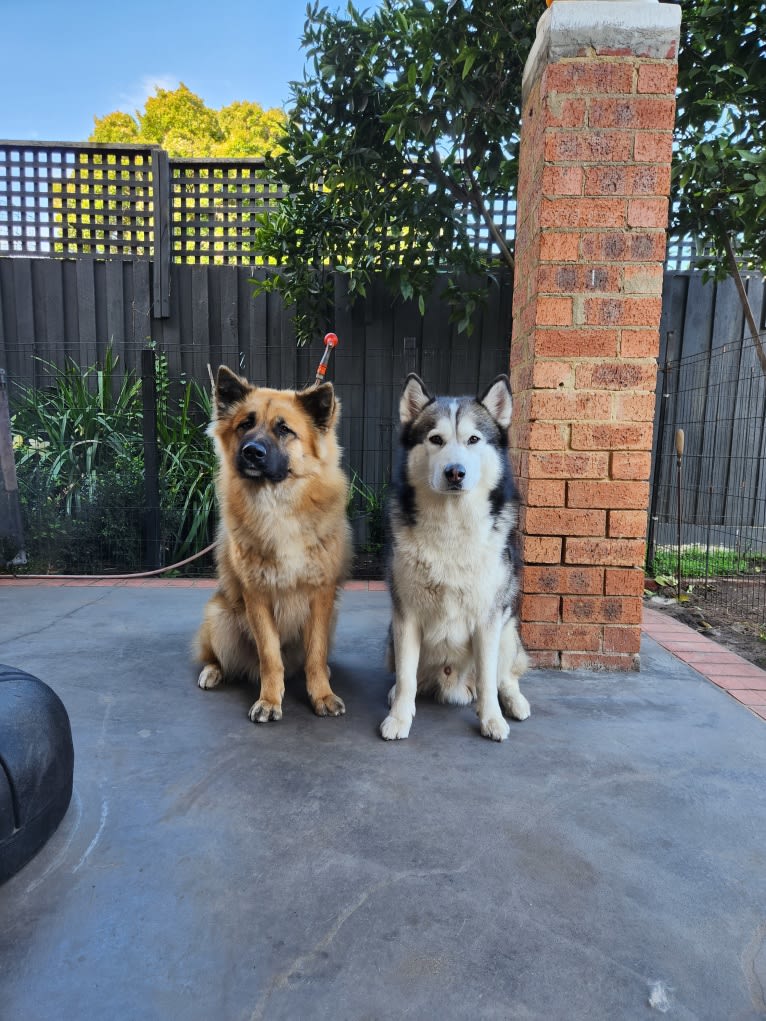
{"points": [[51, 309], [712, 386]]}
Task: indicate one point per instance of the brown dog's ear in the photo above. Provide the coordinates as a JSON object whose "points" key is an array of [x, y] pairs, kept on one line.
{"points": [[229, 388], [319, 404]]}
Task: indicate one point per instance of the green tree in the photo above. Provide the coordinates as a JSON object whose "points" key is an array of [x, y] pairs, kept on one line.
{"points": [[181, 122], [404, 126], [719, 175]]}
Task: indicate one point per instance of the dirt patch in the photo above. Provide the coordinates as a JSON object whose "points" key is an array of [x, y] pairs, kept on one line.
{"points": [[730, 612]]}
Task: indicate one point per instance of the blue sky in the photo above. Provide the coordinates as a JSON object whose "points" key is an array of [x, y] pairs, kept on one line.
{"points": [[63, 63]]}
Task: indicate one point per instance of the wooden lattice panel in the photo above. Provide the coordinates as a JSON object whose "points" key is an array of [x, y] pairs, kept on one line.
{"points": [[75, 200], [503, 211], [214, 208]]}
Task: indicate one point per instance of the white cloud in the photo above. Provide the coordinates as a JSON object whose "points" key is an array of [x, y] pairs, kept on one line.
{"points": [[145, 87]]}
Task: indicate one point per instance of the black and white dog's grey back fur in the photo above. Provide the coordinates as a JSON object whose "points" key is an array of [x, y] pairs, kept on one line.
{"points": [[453, 564]]}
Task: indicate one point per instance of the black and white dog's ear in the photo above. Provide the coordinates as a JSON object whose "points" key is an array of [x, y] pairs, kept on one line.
{"points": [[229, 389], [497, 400], [319, 404], [414, 398]]}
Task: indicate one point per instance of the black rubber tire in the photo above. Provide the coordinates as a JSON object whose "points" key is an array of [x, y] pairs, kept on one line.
{"points": [[36, 767]]}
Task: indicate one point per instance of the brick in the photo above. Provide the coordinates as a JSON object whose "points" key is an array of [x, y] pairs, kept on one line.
{"points": [[602, 661], [542, 579], [602, 610], [540, 608], [543, 493], [561, 247], [552, 375], [623, 311], [620, 247], [554, 311], [576, 343], [609, 495], [651, 180], [631, 465], [657, 78], [562, 180], [627, 524], [582, 212], [563, 580], [610, 180], [632, 113], [643, 279], [629, 407], [653, 147], [540, 521], [567, 465], [649, 212], [543, 660], [564, 112], [588, 146], [547, 436], [590, 76], [627, 180], [583, 637], [624, 582], [539, 550], [618, 375], [626, 640], [609, 552], [612, 436], [568, 279], [569, 405], [640, 343]]}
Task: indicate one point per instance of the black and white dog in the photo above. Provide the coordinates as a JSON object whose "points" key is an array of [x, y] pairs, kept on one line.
{"points": [[453, 565]]}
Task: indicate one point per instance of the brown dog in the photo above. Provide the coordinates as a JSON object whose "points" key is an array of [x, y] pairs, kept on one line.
{"points": [[284, 542]]}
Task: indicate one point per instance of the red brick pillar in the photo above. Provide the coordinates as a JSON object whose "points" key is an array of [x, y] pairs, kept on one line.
{"points": [[597, 120]]}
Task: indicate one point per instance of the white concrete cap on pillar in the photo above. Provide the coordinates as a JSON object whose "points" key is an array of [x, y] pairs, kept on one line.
{"points": [[573, 28]]}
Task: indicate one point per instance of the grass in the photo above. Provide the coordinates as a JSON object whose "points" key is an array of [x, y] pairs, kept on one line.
{"points": [[698, 562]]}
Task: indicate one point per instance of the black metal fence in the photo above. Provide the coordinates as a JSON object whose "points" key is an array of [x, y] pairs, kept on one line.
{"points": [[708, 512]]}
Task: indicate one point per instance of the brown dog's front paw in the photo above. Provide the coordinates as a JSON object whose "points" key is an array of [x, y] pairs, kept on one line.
{"points": [[328, 705], [263, 711]]}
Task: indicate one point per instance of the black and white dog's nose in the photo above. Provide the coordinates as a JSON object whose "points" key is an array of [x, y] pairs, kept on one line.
{"points": [[254, 452], [454, 473]]}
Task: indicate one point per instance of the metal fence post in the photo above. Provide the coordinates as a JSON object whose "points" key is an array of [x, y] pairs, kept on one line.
{"points": [[10, 507], [152, 554], [658, 441]]}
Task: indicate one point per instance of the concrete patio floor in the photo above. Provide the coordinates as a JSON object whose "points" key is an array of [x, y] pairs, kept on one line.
{"points": [[607, 861]]}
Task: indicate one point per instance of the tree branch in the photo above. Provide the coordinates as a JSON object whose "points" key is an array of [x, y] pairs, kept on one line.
{"points": [[481, 205], [734, 268]]}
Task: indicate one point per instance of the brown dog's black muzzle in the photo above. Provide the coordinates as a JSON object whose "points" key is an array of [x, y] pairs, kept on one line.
{"points": [[258, 458]]}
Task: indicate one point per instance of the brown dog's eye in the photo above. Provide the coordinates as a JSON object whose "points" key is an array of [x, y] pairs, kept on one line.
{"points": [[245, 424], [283, 429]]}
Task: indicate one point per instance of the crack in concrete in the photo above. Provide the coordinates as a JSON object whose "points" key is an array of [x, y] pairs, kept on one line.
{"points": [[281, 980], [56, 620]]}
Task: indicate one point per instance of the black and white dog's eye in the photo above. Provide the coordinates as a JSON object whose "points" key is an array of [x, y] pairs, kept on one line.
{"points": [[436, 440], [474, 439]]}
